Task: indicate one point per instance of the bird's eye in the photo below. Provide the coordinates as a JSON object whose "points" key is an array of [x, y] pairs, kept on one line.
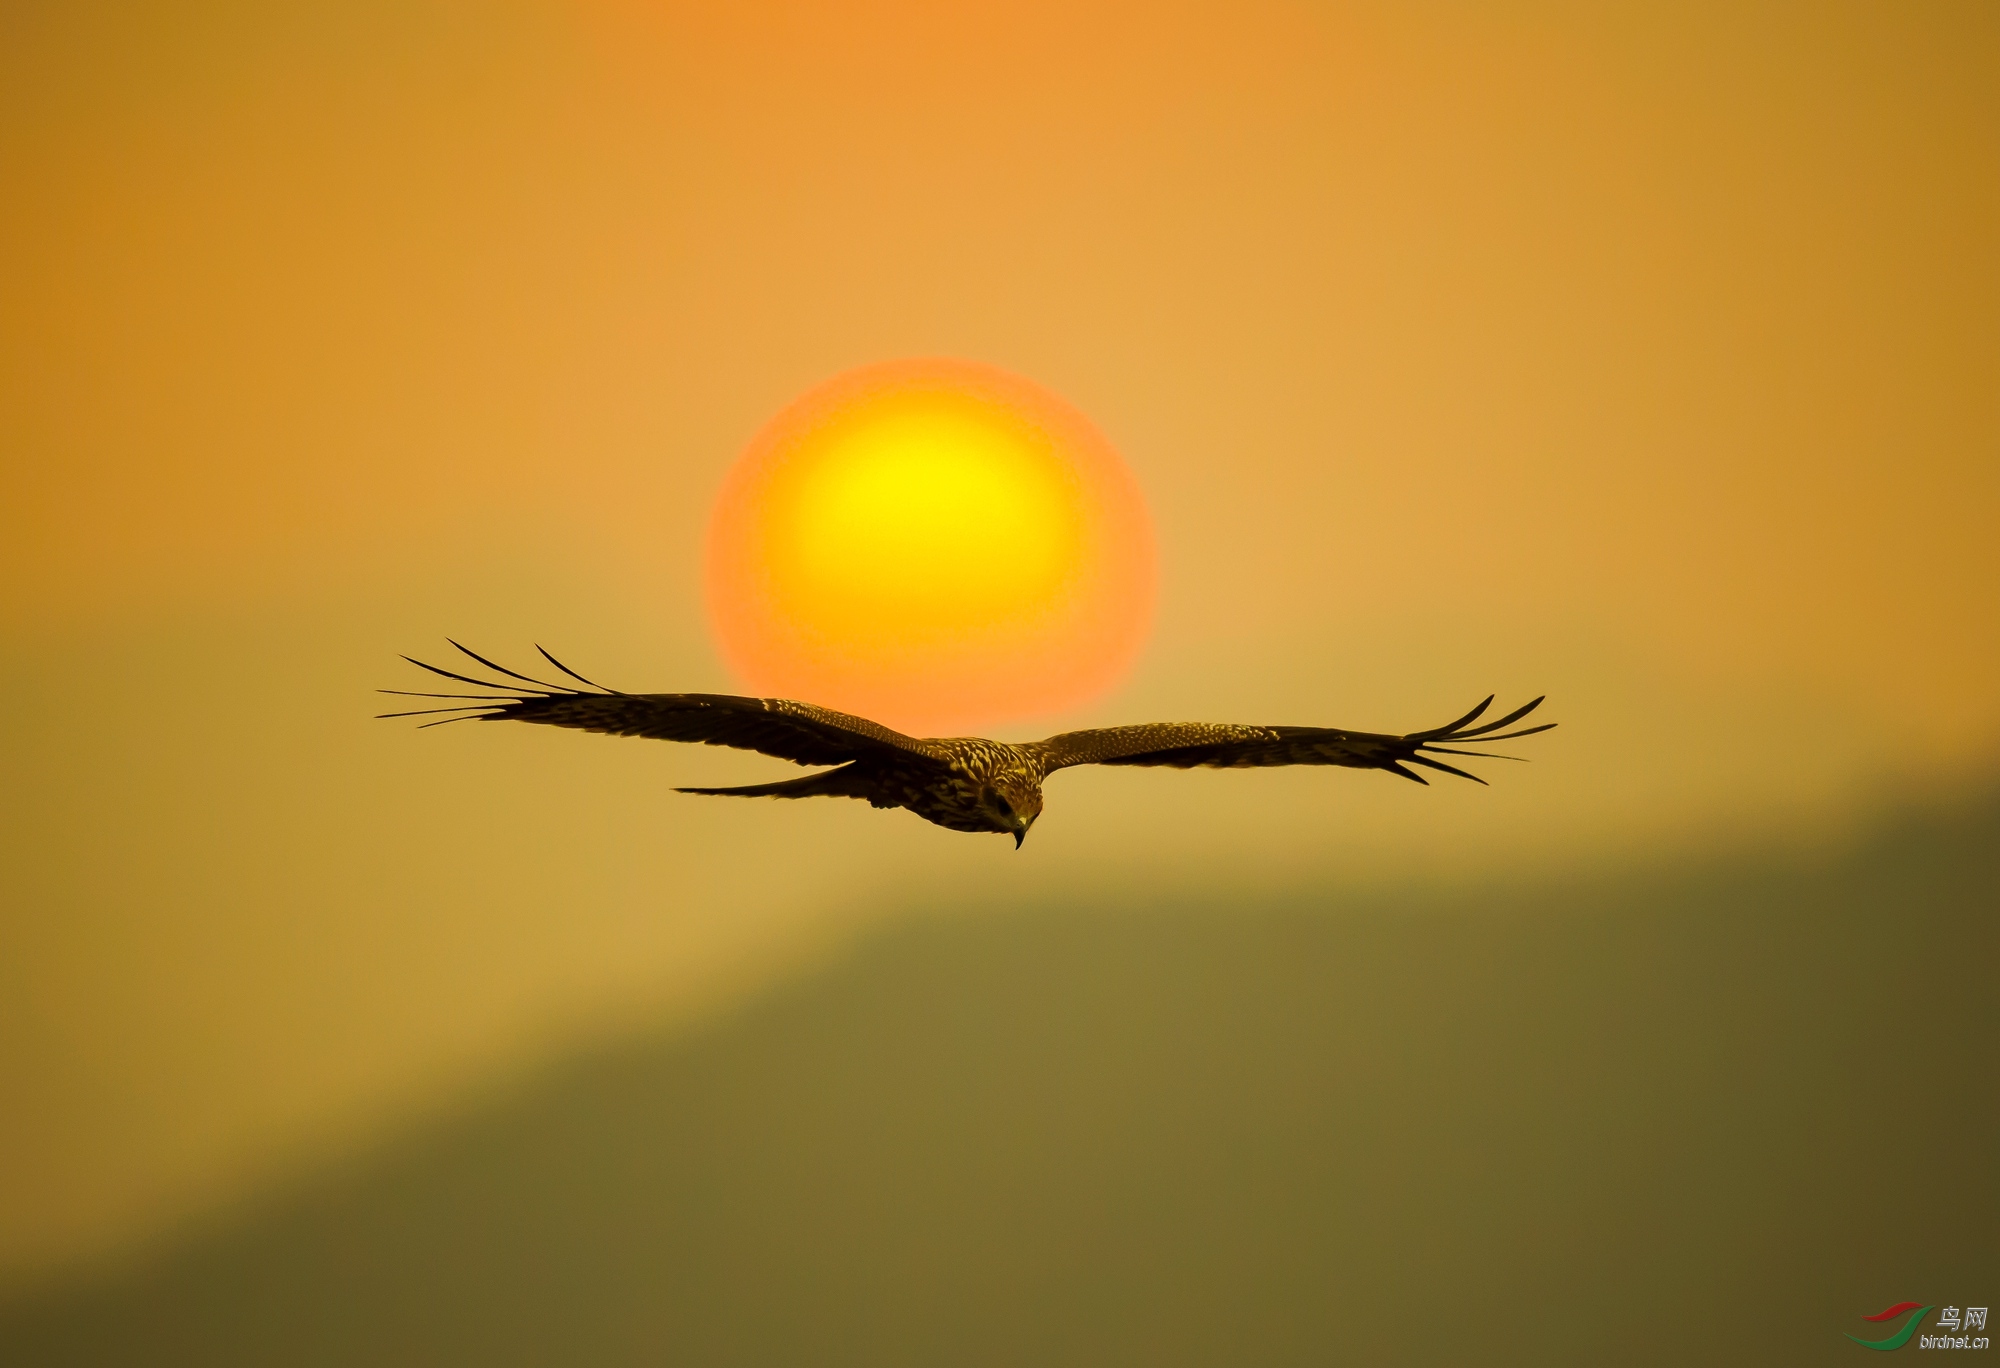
{"points": [[1006, 808]]}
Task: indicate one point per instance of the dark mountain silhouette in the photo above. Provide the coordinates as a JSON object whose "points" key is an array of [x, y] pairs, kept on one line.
{"points": [[1669, 1117]]}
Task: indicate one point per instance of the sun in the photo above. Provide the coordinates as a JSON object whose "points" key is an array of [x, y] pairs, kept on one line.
{"points": [[935, 544]]}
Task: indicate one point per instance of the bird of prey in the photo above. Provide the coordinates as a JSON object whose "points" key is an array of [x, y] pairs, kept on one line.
{"points": [[965, 783]]}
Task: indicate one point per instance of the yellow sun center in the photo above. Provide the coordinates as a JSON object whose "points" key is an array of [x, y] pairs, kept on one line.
{"points": [[933, 543], [919, 522]]}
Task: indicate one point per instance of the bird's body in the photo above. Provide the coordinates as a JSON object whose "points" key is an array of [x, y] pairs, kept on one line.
{"points": [[966, 783], [963, 782]]}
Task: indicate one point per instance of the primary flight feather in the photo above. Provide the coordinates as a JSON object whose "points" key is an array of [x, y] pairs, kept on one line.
{"points": [[966, 783]]}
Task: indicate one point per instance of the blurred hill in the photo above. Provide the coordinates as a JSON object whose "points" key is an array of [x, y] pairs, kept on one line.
{"points": [[1675, 1115]]}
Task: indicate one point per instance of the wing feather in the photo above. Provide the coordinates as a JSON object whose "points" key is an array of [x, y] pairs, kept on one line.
{"points": [[799, 732], [1187, 745]]}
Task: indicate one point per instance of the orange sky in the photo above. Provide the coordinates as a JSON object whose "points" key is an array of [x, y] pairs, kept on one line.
{"points": [[1651, 360]]}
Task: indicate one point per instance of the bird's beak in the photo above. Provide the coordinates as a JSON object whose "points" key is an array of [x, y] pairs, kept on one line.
{"points": [[1019, 837]]}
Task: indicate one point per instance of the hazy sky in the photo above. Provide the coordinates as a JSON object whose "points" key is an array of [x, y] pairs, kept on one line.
{"points": [[1649, 359]]}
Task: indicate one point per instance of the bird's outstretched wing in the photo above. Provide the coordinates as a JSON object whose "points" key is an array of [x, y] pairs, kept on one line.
{"points": [[798, 732], [1185, 745]]}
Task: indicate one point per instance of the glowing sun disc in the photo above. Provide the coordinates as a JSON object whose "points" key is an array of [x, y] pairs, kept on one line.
{"points": [[935, 544]]}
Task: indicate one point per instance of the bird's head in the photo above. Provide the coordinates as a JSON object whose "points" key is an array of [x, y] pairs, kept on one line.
{"points": [[1014, 804]]}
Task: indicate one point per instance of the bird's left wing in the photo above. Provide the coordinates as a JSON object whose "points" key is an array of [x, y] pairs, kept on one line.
{"points": [[1186, 745], [799, 732]]}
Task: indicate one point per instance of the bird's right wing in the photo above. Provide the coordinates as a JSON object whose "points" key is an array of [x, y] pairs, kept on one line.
{"points": [[1185, 745], [799, 732]]}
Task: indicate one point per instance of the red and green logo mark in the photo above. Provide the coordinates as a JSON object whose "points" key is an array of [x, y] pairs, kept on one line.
{"points": [[1901, 1337]]}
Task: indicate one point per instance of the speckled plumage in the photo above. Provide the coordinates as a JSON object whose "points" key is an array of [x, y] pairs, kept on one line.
{"points": [[966, 783]]}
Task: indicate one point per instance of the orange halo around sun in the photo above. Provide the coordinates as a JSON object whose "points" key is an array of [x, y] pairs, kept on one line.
{"points": [[934, 544]]}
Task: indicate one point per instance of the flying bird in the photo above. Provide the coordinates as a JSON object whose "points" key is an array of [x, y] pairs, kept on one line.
{"points": [[966, 783]]}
